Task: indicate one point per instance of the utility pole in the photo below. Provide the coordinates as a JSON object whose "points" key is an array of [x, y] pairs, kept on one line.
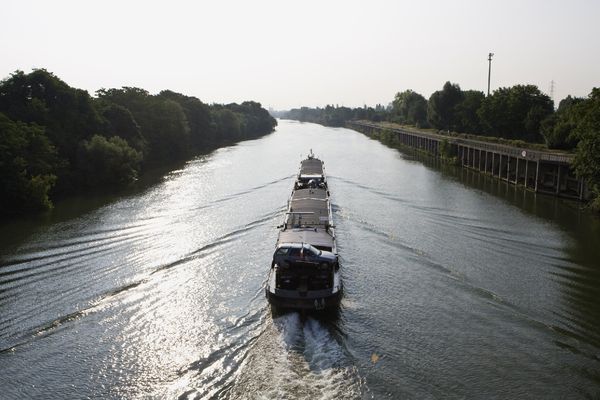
{"points": [[489, 71]]}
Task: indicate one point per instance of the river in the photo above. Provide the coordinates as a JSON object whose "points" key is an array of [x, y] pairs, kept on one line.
{"points": [[456, 285]]}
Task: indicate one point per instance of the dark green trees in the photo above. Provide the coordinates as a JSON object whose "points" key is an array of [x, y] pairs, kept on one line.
{"points": [[557, 128], [466, 118], [336, 116], [515, 113], [254, 118], [198, 117], [27, 167], [120, 122], [56, 139], [106, 162], [162, 122], [410, 108], [174, 125], [228, 126], [452, 109], [587, 132], [68, 114], [442, 107]]}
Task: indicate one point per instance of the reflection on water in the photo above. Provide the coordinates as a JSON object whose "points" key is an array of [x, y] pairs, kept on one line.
{"points": [[456, 285]]}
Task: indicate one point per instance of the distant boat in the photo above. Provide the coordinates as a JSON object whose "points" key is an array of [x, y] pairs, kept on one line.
{"points": [[305, 271]]}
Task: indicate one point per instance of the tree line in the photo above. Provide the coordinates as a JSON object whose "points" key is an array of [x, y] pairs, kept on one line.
{"points": [[334, 115], [57, 140], [520, 112]]}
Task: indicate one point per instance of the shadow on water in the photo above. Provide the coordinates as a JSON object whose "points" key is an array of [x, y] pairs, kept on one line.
{"points": [[14, 231]]}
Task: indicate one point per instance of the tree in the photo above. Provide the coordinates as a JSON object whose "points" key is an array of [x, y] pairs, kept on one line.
{"points": [[254, 120], [515, 112], [587, 156], [228, 125], [167, 131], [466, 118], [121, 123], [411, 108], [108, 162], [162, 121], [27, 161], [101, 142], [68, 114], [198, 118], [441, 108], [569, 101], [557, 129]]}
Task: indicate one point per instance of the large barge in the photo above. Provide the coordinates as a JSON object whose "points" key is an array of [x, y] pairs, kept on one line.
{"points": [[305, 271]]}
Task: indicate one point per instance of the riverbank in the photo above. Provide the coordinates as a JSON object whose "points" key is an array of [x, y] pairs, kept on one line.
{"points": [[542, 171], [480, 138]]}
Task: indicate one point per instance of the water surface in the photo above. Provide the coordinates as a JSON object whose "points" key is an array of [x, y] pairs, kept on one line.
{"points": [[456, 285]]}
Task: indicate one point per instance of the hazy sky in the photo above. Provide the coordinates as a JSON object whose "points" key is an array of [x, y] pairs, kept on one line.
{"points": [[292, 53]]}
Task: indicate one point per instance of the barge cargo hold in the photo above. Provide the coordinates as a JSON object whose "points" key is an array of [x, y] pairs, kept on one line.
{"points": [[305, 270]]}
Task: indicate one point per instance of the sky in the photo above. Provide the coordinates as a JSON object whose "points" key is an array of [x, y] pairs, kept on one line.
{"points": [[287, 54]]}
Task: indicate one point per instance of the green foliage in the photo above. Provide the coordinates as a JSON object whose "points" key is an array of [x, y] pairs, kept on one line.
{"points": [[257, 120], [174, 125], [198, 117], [377, 113], [108, 162], [445, 149], [557, 128], [568, 101], [162, 121], [168, 132], [442, 107], [120, 122], [105, 142], [389, 137], [229, 126], [253, 119], [36, 194], [68, 114], [410, 108], [466, 118], [336, 116], [587, 157], [27, 164], [515, 113]]}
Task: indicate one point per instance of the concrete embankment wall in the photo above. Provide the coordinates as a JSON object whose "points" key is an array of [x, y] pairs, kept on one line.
{"points": [[540, 171]]}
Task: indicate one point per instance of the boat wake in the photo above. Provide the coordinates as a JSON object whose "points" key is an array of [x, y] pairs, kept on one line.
{"points": [[296, 359]]}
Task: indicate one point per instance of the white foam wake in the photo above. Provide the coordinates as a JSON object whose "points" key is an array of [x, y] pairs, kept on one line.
{"points": [[295, 359]]}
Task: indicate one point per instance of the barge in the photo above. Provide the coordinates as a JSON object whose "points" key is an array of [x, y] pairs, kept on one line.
{"points": [[305, 270]]}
